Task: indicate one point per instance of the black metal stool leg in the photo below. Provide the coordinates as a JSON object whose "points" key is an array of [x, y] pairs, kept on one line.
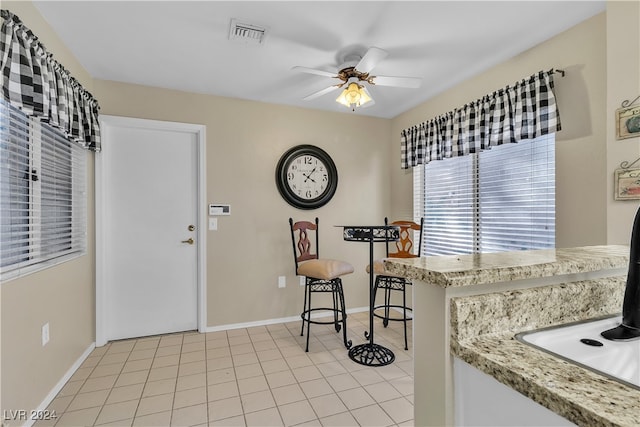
{"points": [[387, 303], [336, 303], [304, 308], [343, 309], [404, 309], [375, 292], [308, 322]]}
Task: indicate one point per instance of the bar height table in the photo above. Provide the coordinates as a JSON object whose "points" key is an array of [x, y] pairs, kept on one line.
{"points": [[369, 353]]}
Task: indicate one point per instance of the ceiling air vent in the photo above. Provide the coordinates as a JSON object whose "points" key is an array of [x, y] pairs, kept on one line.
{"points": [[247, 33]]}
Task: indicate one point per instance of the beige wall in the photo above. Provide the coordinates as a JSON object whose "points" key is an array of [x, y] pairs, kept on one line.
{"points": [[244, 141], [580, 146], [623, 83], [62, 295], [252, 246]]}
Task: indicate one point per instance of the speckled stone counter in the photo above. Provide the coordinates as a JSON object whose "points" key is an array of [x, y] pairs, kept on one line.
{"points": [[469, 270], [482, 334], [464, 307]]}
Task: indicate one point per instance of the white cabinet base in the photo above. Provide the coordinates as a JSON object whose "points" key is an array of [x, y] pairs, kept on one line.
{"points": [[480, 400]]}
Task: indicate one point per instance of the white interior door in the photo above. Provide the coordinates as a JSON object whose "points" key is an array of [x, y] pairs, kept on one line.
{"points": [[149, 229]]}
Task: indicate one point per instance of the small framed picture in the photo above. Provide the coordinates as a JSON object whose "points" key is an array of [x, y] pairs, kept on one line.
{"points": [[627, 183], [628, 122]]}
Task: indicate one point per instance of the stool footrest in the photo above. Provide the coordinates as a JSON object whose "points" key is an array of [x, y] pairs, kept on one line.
{"points": [[400, 319], [306, 316]]}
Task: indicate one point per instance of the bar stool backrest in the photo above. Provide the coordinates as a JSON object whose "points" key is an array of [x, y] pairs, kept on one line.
{"points": [[302, 246], [404, 246]]}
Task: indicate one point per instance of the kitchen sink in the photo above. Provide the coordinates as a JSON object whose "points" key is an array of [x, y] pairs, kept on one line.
{"points": [[582, 344]]}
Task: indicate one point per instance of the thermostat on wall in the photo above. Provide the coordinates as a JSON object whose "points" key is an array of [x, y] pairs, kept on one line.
{"points": [[219, 209]]}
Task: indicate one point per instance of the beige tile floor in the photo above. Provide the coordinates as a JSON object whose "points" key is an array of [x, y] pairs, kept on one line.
{"points": [[258, 376]]}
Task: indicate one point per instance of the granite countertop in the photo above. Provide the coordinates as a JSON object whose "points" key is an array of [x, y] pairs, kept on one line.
{"points": [[483, 326], [482, 334], [465, 270], [577, 394]]}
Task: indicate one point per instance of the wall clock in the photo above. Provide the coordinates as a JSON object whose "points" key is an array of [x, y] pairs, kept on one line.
{"points": [[306, 177]]}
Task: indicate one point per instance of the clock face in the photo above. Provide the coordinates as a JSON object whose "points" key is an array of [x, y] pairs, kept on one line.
{"points": [[306, 177]]}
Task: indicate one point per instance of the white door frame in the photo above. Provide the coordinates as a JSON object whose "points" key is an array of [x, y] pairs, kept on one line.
{"points": [[100, 169]]}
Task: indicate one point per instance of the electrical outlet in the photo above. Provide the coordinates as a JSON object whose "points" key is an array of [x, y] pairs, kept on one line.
{"points": [[303, 280], [282, 281], [45, 334]]}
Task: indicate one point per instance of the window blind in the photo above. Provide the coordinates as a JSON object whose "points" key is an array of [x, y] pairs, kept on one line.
{"points": [[498, 200], [42, 194], [448, 206], [517, 196]]}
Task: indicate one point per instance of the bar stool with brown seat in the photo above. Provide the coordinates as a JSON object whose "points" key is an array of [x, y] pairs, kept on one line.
{"points": [[391, 282], [321, 275]]}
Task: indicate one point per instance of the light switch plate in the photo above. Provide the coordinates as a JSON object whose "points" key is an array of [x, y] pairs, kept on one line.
{"points": [[45, 334], [213, 223]]}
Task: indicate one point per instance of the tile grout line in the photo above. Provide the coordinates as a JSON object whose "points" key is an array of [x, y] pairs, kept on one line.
{"points": [[233, 362], [267, 381], [280, 339], [113, 386], [175, 386], [73, 397], [146, 381], [206, 378]]}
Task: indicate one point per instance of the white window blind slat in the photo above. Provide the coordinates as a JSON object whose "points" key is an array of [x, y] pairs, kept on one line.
{"points": [[497, 200], [516, 182], [42, 195], [448, 197]]}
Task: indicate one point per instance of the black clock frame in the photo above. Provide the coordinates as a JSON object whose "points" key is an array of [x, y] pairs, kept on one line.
{"points": [[282, 183]]}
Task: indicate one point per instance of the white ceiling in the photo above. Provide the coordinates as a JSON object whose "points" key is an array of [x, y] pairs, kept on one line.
{"points": [[184, 45]]}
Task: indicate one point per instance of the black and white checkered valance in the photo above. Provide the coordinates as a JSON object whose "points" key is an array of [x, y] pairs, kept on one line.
{"points": [[38, 85], [525, 110]]}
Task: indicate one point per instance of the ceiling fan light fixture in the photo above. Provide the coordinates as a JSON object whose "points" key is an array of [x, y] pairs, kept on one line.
{"points": [[353, 96]]}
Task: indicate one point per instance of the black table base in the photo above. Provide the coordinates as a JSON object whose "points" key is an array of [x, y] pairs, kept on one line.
{"points": [[371, 355]]}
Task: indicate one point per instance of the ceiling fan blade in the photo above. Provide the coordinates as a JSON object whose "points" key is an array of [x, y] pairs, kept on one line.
{"points": [[315, 71], [319, 93], [372, 102], [409, 82], [369, 104], [370, 59]]}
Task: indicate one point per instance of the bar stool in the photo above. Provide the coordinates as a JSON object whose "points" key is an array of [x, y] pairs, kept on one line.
{"points": [[321, 275], [392, 282]]}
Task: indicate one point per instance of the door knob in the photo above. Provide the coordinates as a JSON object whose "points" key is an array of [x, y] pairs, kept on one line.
{"points": [[189, 241]]}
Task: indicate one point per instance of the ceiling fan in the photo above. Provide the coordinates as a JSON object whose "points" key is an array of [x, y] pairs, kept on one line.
{"points": [[354, 73]]}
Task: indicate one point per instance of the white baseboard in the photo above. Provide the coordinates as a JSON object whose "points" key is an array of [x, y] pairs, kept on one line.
{"points": [[56, 389], [274, 321]]}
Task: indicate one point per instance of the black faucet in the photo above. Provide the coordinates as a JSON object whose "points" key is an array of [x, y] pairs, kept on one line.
{"points": [[630, 327]]}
